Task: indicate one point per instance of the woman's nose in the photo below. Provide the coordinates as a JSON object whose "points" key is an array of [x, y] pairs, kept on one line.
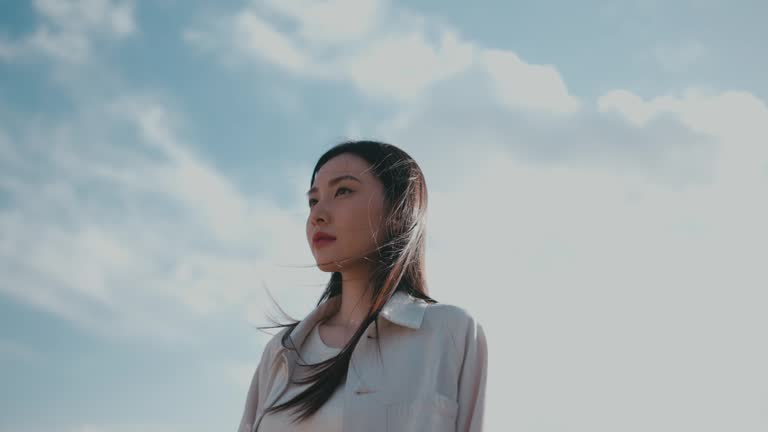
{"points": [[319, 214]]}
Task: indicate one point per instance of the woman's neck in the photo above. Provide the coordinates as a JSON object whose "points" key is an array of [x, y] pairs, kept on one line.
{"points": [[355, 300]]}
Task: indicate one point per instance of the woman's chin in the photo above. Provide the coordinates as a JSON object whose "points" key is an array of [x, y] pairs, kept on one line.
{"points": [[327, 266]]}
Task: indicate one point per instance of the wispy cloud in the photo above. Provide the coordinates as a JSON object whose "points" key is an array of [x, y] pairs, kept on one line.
{"points": [[736, 119], [390, 54], [68, 29], [132, 237]]}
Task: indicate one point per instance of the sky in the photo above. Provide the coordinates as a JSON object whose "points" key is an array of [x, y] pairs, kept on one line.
{"points": [[597, 176]]}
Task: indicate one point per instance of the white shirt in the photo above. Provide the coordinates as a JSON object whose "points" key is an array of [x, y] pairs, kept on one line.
{"points": [[429, 375], [329, 417]]}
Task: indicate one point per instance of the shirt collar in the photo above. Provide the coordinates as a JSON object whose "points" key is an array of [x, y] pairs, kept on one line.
{"points": [[405, 310], [401, 308]]}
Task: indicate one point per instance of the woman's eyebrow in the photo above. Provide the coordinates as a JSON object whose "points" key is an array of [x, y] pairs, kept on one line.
{"points": [[335, 180]]}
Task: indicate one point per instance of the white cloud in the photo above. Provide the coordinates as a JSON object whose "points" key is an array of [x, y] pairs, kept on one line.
{"points": [[401, 66], [737, 119], [65, 46], [527, 86], [390, 54], [259, 37], [631, 106], [136, 238], [330, 22], [81, 16], [69, 29], [591, 283], [591, 276]]}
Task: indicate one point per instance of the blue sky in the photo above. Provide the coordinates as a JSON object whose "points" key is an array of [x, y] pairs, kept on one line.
{"points": [[596, 171]]}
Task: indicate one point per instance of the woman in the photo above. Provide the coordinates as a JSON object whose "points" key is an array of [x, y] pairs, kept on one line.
{"points": [[377, 353]]}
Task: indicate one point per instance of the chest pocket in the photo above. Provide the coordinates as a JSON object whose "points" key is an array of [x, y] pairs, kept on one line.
{"points": [[432, 412]]}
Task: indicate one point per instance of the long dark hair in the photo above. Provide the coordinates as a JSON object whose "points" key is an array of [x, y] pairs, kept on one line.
{"points": [[400, 264]]}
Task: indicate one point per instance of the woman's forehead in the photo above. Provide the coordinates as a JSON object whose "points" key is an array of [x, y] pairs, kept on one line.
{"points": [[344, 164]]}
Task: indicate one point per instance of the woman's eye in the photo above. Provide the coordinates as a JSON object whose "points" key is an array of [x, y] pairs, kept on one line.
{"points": [[314, 201], [341, 189]]}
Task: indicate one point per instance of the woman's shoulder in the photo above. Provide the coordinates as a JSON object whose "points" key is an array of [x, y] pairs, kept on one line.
{"points": [[450, 314], [464, 329], [459, 320]]}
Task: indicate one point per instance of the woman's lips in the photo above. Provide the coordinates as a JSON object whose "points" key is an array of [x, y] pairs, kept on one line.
{"points": [[324, 241]]}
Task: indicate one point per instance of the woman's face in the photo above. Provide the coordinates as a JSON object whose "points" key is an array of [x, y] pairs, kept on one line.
{"points": [[347, 202]]}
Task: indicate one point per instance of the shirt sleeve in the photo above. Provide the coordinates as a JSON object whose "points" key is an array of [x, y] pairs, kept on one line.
{"points": [[253, 397], [472, 380]]}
